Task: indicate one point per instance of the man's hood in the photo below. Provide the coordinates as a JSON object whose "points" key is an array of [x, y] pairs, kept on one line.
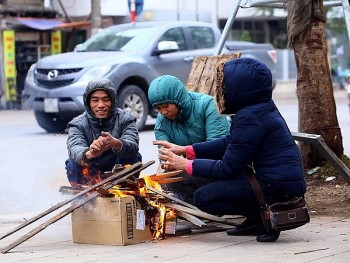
{"points": [[169, 89], [244, 82], [100, 84]]}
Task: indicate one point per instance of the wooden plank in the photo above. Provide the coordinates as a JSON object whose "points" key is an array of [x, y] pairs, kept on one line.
{"points": [[170, 180], [196, 72], [207, 79], [121, 176], [74, 197], [202, 77], [191, 218], [199, 213], [162, 175], [171, 197]]}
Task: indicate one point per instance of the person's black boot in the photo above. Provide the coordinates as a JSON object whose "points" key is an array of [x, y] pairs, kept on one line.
{"points": [[247, 228], [268, 237]]}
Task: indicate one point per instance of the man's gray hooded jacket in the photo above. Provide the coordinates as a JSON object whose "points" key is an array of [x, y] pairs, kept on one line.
{"points": [[86, 128]]}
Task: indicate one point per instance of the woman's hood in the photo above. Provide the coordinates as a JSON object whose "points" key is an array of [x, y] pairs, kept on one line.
{"points": [[169, 89], [242, 82]]}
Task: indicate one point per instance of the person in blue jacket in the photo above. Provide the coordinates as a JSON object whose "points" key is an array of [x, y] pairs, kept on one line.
{"points": [[184, 118], [258, 136]]}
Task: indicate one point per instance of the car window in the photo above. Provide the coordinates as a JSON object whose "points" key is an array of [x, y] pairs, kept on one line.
{"points": [[177, 35], [125, 39], [202, 37]]}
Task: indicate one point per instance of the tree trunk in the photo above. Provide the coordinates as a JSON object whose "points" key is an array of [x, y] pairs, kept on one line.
{"points": [[317, 108]]}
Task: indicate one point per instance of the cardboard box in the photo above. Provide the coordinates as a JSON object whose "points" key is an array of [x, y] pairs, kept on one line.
{"points": [[170, 226], [110, 221]]}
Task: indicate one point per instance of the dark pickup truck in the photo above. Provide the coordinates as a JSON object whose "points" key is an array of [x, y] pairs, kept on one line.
{"points": [[131, 56]]}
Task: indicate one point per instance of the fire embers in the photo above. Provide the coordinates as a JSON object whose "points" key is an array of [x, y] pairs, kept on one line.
{"points": [[91, 175], [153, 204], [155, 214], [158, 220]]}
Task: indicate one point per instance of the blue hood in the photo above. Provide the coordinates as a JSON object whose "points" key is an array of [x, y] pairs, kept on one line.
{"points": [[245, 82], [169, 89]]}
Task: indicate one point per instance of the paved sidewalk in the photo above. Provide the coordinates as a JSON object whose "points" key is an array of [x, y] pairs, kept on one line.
{"points": [[285, 92], [324, 239]]}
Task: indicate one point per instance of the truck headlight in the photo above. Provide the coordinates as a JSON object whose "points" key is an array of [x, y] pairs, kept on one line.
{"points": [[30, 73], [95, 72]]}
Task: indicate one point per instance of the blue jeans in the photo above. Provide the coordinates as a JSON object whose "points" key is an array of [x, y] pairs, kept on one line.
{"points": [[93, 173], [235, 197]]}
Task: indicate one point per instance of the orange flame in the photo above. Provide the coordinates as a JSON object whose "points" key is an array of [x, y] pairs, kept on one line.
{"points": [[157, 211], [119, 193], [90, 177], [158, 220]]}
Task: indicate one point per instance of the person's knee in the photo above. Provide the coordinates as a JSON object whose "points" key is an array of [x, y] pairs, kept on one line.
{"points": [[200, 200], [73, 171]]}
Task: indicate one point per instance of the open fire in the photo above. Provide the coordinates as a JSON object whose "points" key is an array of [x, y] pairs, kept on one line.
{"points": [[152, 203], [160, 207]]}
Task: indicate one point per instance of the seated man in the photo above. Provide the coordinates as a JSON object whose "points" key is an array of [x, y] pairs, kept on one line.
{"points": [[185, 118], [101, 137]]}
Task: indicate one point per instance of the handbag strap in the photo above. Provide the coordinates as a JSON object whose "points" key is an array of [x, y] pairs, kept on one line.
{"points": [[260, 196], [255, 185]]}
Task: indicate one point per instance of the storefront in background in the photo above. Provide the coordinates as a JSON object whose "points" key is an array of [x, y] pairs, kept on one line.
{"points": [[23, 43], [20, 50]]}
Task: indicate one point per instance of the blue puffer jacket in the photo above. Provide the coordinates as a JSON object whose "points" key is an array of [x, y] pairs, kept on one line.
{"points": [[258, 133], [198, 119]]}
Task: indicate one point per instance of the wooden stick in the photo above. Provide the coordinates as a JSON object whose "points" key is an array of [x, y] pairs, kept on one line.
{"points": [[171, 197], [199, 213], [74, 206], [162, 175], [61, 204], [170, 180], [194, 220]]}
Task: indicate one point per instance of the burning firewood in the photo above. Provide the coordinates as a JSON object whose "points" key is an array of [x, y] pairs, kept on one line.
{"points": [[147, 191], [85, 196]]}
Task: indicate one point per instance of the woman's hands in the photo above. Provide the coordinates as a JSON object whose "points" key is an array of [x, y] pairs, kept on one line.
{"points": [[179, 150], [169, 154]]}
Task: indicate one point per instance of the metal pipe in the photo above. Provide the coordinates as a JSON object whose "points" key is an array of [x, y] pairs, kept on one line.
{"points": [[346, 9], [227, 28], [281, 4]]}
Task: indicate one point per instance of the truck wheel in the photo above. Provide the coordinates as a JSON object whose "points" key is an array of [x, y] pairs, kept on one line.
{"points": [[50, 122], [131, 98]]}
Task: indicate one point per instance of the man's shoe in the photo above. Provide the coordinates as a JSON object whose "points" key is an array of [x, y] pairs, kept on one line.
{"points": [[268, 237], [252, 230]]}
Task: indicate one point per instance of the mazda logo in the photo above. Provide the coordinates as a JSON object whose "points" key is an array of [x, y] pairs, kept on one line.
{"points": [[52, 74]]}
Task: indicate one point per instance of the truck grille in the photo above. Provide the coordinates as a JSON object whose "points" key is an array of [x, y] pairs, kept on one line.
{"points": [[63, 77], [60, 71], [53, 84]]}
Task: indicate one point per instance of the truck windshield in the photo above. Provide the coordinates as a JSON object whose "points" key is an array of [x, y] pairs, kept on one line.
{"points": [[119, 39]]}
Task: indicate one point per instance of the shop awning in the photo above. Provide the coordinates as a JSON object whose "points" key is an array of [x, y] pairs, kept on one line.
{"points": [[39, 23], [47, 24], [74, 24]]}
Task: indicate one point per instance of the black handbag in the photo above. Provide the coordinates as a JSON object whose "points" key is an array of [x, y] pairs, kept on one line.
{"points": [[283, 215]]}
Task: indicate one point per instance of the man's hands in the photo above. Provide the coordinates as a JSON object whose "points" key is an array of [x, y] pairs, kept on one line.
{"points": [[102, 144], [169, 154]]}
